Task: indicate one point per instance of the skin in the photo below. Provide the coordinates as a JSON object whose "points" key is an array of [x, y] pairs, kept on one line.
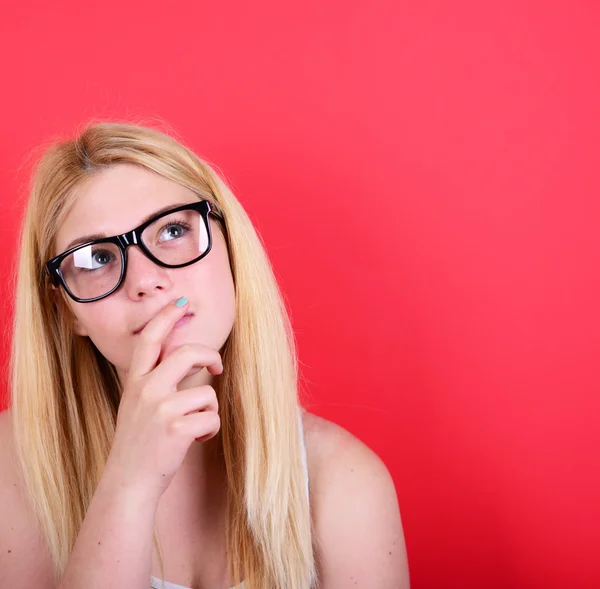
{"points": [[155, 469]]}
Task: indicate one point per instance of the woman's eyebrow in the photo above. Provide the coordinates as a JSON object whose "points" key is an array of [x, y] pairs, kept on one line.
{"points": [[85, 238], [94, 236]]}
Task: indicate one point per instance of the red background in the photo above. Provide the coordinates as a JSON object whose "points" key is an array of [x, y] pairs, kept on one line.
{"points": [[425, 177]]}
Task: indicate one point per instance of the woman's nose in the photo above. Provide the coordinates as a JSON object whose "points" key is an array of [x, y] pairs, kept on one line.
{"points": [[143, 277]]}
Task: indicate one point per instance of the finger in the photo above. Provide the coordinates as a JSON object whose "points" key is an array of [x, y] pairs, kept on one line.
{"points": [[199, 426], [177, 364], [147, 350], [202, 398]]}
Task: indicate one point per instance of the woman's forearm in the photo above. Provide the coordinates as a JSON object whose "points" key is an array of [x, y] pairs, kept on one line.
{"points": [[114, 545]]}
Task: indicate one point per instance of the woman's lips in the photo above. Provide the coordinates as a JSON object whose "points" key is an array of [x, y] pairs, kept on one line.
{"points": [[185, 319]]}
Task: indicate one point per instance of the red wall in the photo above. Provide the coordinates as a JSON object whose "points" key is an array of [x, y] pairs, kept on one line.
{"points": [[425, 176]]}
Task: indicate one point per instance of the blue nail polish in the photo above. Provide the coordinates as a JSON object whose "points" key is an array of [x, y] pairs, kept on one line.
{"points": [[181, 301]]}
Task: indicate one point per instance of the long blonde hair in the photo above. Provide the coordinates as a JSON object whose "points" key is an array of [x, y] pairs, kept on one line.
{"points": [[65, 394]]}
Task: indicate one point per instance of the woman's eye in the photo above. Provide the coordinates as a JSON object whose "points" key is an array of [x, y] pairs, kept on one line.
{"points": [[171, 232], [96, 261], [101, 258]]}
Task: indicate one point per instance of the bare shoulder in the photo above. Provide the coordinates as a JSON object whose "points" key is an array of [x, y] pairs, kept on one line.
{"points": [[334, 454], [24, 560], [355, 511]]}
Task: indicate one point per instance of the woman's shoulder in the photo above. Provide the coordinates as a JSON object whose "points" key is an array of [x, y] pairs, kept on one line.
{"points": [[355, 509], [330, 446], [24, 559]]}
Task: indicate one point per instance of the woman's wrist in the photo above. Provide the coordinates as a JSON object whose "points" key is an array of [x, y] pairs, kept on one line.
{"points": [[119, 485]]}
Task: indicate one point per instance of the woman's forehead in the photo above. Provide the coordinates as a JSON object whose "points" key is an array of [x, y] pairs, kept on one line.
{"points": [[118, 199]]}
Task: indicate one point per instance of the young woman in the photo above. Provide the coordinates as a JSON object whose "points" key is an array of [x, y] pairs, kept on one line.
{"points": [[155, 436]]}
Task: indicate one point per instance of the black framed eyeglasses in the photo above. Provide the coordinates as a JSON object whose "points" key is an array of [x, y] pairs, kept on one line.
{"points": [[175, 238]]}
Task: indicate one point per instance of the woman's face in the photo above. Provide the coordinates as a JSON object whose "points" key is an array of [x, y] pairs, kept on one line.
{"points": [[117, 200]]}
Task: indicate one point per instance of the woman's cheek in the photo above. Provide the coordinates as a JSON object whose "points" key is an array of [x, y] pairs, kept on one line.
{"points": [[114, 350]]}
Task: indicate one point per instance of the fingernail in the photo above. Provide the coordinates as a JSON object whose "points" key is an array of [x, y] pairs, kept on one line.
{"points": [[181, 301]]}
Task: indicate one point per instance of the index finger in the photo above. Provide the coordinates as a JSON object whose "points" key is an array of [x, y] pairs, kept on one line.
{"points": [[147, 350]]}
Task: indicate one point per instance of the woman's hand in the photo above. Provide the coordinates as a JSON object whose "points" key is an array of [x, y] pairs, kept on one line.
{"points": [[156, 423]]}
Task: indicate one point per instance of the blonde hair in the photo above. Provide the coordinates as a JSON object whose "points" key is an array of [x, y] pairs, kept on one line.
{"points": [[63, 436]]}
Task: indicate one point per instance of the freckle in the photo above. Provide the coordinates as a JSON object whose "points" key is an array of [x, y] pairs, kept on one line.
{"points": [[99, 543], [164, 475], [9, 551], [390, 553]]}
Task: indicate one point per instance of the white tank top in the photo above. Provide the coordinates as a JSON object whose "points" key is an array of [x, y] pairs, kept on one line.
{"points": [[156, 583]]}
